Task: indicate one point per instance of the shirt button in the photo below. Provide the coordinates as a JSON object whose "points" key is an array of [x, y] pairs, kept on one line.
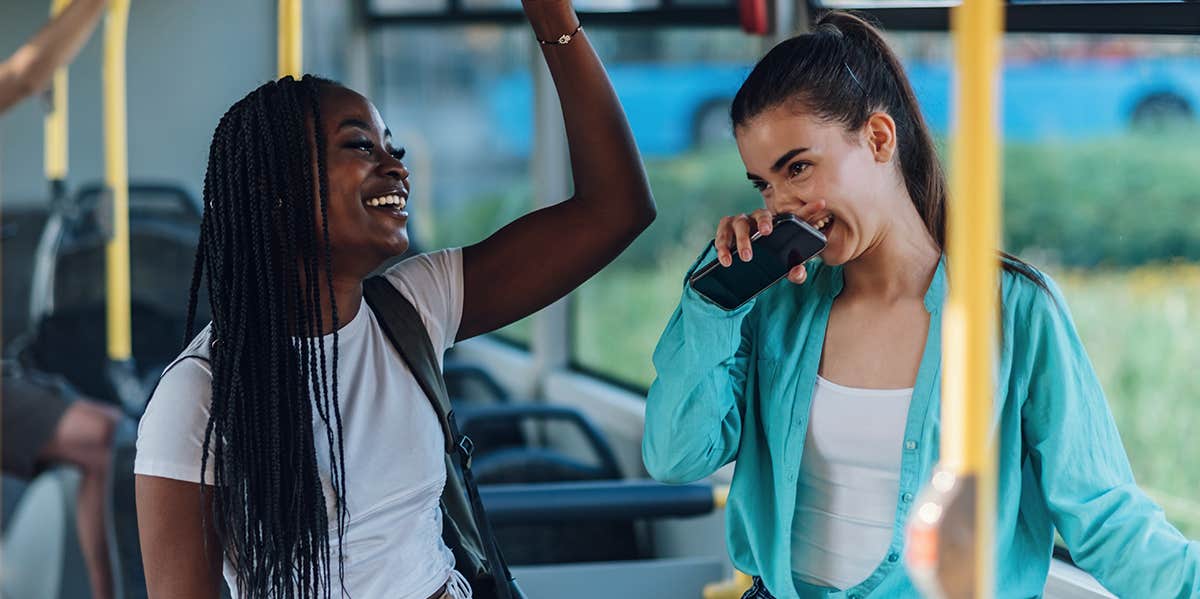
{"points": [[893, 557], [910, 445], [908, 497]]}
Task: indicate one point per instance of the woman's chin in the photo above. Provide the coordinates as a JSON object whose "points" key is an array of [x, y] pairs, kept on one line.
{"points": [[392, 247], [398, 246]]}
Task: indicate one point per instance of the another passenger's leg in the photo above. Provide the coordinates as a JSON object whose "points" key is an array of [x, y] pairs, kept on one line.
{"points": [[84, 438]]}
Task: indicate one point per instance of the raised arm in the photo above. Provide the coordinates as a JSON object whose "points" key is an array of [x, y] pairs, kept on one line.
{"points": [[696, 406], [30, 68], [542, 256]]}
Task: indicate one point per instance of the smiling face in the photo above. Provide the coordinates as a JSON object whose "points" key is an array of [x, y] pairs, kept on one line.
{"points": [[794, 159], [368, 184]]}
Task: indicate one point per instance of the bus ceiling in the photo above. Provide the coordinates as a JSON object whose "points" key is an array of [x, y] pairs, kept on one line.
{"points": [[1028, 16]]}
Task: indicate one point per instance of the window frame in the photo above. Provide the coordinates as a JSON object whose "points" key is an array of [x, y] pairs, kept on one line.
{"points": [[1133, 18], [457, 14]]}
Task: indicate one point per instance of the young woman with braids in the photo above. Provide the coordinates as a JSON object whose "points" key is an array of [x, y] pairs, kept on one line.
{"points": [[321, 459], [827, 392]]}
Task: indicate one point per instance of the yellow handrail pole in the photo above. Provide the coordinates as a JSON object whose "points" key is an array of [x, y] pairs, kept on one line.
{"points": [[116, 176], [974, 236], [951, 536], [291, 38], [55, 157], [734, 587]]}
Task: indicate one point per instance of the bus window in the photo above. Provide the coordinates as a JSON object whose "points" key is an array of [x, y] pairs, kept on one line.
{"points": [[1096, 192], [1099, 191], [676, 86], [444, 92]]}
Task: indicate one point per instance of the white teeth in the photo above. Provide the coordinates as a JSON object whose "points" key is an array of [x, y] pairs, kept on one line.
{"points": [[388, 200]]}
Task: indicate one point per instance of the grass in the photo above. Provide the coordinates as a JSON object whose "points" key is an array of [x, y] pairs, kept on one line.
{"points": [[1142, 330]]}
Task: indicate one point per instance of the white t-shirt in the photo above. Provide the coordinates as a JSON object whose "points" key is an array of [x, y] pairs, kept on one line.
{"points": [[394, 448], [849, 483]]}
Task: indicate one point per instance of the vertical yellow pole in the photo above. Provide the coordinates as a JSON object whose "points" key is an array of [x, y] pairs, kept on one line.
{"points": [[291, 37], [951, 536], [55, 159], [970, 325], [974, 236], [116, 176]]}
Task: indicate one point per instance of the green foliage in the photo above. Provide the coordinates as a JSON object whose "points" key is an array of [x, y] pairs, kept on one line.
{"points": [[1119, 202]]}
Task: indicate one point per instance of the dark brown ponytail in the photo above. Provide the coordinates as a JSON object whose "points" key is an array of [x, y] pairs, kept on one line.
{"points": [[843, 71]]}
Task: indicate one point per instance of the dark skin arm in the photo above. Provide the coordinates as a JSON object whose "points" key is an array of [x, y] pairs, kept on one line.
{"points": [[542, 256], [178, 562]]}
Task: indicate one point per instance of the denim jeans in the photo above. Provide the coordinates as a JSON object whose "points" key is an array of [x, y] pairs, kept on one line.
{"points": [[758, 591]]}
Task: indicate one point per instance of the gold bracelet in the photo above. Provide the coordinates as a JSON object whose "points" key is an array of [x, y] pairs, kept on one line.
{"points": [[563, 39]]}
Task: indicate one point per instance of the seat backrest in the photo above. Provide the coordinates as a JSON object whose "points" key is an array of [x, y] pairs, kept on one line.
{"points": [[72, 342], [42, 558], [70, 338], [509, 463], [479, 422], [471, 384], [525, 465]]}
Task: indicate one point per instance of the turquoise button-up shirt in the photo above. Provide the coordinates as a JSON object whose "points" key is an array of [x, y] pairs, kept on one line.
{"points": [[738, 386]]}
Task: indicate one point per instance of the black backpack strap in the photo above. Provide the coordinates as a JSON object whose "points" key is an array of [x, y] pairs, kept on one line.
{"points": [[402, 325], [173, 364]]}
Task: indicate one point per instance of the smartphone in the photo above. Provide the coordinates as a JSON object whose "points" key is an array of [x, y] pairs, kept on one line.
{"points": [[792, 242]]}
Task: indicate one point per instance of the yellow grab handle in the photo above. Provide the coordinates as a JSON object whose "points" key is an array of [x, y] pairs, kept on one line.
{"points": [[291, 38], [55, 158], [974, 237], [116, 176], [951, 538]]}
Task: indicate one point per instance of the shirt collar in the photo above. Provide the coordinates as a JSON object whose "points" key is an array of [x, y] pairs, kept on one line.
{"points": [[935, 297]]}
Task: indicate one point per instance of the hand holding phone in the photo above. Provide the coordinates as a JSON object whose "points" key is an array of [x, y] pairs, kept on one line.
{"points": [[790, 243]]}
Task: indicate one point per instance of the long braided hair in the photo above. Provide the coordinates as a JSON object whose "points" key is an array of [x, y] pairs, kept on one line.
{"points": [[265, 250]]}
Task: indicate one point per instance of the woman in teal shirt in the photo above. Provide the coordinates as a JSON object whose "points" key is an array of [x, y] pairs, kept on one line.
{"points": [[829, 130]]}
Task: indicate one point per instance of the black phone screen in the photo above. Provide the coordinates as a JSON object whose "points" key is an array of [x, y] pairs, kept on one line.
{"points": [[790, 243]]}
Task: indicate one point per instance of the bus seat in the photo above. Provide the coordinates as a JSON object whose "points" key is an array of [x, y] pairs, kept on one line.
{"points": [[546, 462], [468, 383], [68, 333], [42, 559], [471, 386]]}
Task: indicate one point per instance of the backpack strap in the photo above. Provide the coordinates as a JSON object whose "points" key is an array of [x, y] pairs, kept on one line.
{"points": [[402, 325], [170, 366]]}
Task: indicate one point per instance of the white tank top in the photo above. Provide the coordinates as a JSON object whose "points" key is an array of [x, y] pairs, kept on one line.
{"points": [[849, 480]]}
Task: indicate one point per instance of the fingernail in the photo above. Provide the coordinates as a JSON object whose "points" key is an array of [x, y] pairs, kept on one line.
{"points": [[746, 256]]}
